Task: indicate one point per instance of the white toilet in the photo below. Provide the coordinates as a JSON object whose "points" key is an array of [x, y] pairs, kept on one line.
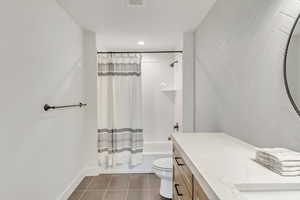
{"points": [[163, 168]]}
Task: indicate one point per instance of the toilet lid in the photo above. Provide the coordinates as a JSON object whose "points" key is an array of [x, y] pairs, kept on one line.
{"points": [[163, 163]]}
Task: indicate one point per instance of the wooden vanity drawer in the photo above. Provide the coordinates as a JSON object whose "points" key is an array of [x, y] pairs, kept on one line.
{"points": [[175, 195], [181, 192], [185, 186], [183, 168], [198, 192]]}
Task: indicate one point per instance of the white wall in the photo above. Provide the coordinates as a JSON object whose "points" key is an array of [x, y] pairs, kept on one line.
{"points": [[158, 106], [239, 72], [90, 74], [41, 62], [188, 82]]}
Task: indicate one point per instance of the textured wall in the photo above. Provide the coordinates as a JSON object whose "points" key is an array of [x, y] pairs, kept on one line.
{"points": [[90, 89], [40, 62], [188, 76], [239, 72]]}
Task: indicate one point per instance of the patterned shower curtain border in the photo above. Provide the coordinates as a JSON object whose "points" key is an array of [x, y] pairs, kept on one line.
{"points": [[105, 130], [129, 149], [119, 74]]}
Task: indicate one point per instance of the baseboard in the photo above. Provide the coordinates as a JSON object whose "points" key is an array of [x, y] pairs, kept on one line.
{"points": [[95, 171], [89, 171]]}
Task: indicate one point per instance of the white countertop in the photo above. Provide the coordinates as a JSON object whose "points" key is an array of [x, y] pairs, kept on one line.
{"points": [[221, 164]]}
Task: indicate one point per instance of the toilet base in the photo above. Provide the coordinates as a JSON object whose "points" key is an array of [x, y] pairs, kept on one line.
{"points": [[166, 188]]}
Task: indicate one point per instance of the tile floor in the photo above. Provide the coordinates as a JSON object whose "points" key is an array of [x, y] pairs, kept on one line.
{"points": [[118, 187]]}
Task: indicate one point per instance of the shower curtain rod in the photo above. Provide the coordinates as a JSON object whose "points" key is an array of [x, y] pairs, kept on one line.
{"points": [[116, 52]]}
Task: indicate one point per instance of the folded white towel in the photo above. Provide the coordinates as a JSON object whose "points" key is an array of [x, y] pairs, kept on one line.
{"points": [[282, 161], [276, 162], [282, 173], [276, 165], [280, 154]]}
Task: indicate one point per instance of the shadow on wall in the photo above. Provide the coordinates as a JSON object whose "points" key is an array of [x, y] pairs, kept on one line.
{"points": [[242, 91], [64, 87]]}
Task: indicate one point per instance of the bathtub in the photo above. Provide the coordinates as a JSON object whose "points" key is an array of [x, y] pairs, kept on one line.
{"points": [[152, 148], [152, 151]]}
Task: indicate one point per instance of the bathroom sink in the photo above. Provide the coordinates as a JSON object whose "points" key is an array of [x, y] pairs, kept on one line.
{"points": [[284, 191]]}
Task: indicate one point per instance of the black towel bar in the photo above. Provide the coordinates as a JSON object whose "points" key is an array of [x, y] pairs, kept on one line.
{"points": [[48, 107]]}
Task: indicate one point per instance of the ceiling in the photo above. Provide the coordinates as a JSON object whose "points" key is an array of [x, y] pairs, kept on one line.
{"points": [[119, 26]]}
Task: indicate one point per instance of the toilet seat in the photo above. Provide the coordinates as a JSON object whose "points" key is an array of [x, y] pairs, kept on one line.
{"points": [[163, 164]]}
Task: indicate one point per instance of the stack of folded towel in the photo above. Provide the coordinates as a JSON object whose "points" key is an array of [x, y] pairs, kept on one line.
{"points": [[282, 161]]}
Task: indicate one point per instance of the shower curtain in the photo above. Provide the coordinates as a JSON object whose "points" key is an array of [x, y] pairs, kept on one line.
{"points": [[120, 133]]}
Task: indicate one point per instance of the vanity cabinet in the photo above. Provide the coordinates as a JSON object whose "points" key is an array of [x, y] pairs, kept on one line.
{"points": [[185, 186], [198, 192]]}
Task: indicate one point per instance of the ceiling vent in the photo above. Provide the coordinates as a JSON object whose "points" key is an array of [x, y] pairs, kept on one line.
{"points": [[136, 2]]}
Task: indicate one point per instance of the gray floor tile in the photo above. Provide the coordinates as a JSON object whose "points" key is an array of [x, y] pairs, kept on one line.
{"points": [[154, 195], [139, 181], [99, 182], [76, 195], [119, 182], [115, 195], [93, 195], [138, 195], [84, 183], [118, 187], [154, 181]]}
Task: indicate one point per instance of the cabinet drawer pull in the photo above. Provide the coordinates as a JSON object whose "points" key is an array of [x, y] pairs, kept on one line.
{"points": [[176, 188], [178, 163]]}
